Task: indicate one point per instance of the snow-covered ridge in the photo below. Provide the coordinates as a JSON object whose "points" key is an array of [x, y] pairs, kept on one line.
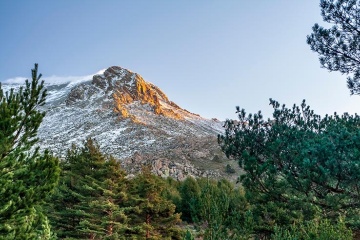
{"points": [[127, 116], [57, 86]]}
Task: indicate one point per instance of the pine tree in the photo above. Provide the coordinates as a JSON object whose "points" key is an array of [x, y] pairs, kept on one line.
{"points": [[110, 204], [321, 229], [27, 175], [190, 195], [297, 165], [219, 208], [171, 192], [338, 46], [90, 224], [89, 202], [154, 213], [61, 210]]}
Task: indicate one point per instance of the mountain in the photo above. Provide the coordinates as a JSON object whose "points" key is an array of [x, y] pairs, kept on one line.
{"points": [[134, 121]]}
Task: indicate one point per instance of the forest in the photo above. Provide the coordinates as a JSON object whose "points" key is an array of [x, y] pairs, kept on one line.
{"points": [[301, 175], [301, 181]]}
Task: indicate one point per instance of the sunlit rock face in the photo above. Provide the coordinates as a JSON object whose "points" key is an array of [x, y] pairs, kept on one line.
{"points": [[134, 121], [125, 87]]}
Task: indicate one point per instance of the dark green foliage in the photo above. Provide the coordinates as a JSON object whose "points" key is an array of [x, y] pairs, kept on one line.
{"points": [[229, 169], [20, 117], [61, 210], [190, 195], [339, 46], [112, 201], [314, 230], [217, 208], [188, 236], [239, 220], [224, 210], [214, 203], [297, 165], [90, 199], [94, 200], [171, 192], [154, 214], [26, 175]]}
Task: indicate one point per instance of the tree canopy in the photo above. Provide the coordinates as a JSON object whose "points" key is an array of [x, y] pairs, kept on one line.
{"points": [[89, 200], [339, 46], [298, 165]]}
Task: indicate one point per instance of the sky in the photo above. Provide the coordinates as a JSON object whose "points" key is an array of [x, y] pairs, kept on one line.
{"points": [[207, 56]]}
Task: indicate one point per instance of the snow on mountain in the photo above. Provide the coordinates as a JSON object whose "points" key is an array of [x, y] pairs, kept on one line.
{"points": [[131, 119]]}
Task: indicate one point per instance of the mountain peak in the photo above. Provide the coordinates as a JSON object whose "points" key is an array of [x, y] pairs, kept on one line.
{"points": [[132, 120], [126, 88], [113, 76]]}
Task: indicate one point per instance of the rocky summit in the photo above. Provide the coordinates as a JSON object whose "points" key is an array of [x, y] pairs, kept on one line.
{"points": [[134, 121]]}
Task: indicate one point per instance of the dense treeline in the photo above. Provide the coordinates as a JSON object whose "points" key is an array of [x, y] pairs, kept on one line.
{"points": [[88, 195], [301, 171], [95, 200], [301, 181]]}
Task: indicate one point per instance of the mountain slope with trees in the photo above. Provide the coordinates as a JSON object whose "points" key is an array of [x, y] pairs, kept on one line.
{"points": [[300, 171], [134, 121]]}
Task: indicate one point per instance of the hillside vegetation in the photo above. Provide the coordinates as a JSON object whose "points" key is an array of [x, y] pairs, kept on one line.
{"points": [[300, 181], [300, 172]]}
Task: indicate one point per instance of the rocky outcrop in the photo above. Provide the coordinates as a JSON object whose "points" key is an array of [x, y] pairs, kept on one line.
{"points": [[125, 87], [196, 157], [81, 92]]}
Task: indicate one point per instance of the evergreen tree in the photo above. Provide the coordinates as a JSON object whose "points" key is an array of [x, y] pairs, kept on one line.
{"points": [[298, 165], [89, 202], [190, 195], [314, 230], [214, 204], [239, 218], [154, 214], [171, 192], [63, 214], [339, 46], [222, 208], [110, 204], [188, 236], [27, 175]]}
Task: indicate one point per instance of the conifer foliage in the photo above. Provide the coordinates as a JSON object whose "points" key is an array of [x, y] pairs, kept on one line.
{"points": [[89, 201], [339, 46], [298, 165], [95, 200], [154, 213], [189, 205], [27, 176]]}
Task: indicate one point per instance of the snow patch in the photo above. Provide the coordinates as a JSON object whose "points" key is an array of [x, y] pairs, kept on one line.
{"points": [[56, 80]]}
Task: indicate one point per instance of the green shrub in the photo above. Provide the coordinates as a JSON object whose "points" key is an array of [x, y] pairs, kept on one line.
{"points": [[314, 230], [229, 169], [188, 236]]}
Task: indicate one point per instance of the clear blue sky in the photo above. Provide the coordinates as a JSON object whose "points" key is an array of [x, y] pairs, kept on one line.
{"points": [[207, 56]]}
